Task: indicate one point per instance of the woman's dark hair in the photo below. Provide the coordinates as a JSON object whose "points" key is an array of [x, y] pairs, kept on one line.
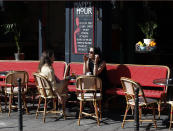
{"points": [[45, 58], [98, 52]]}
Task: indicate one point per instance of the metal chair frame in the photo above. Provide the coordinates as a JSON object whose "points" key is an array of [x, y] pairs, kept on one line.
{"points": [[129, 90], [11, 88], [45, 92], [89, 89]]}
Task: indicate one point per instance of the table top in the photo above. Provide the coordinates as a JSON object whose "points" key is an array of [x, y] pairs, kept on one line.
{"points": [[164, 81]]}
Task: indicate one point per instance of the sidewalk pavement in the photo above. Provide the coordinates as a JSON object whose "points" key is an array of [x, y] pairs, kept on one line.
{"points": [[111, 121]]}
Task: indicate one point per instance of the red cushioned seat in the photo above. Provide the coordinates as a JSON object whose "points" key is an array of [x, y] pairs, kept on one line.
{"points": [[148, 93], [72, 88], [154, 93]]}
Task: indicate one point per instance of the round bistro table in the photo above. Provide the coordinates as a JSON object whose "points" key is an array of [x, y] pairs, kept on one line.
{"points": [[166, 82]]}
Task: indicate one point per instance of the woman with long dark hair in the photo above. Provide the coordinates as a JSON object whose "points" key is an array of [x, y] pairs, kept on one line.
{"points": [[45, 68], [97, 66]]}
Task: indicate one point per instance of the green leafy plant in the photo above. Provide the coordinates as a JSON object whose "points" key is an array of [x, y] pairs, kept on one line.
{"points": [[12, 28], [148, 29]]}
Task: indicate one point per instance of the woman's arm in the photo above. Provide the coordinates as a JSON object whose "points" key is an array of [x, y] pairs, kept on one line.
{"points": [[51, 76], [99, 68]]}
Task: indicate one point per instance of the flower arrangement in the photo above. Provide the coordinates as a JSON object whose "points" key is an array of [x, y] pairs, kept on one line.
{"points": [[141, 46]]}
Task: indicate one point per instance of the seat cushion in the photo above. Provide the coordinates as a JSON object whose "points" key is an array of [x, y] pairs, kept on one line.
{"points": [[154, 93], [142, 102], [72, 88], [89, 97], [148, 93], [15, 90]]}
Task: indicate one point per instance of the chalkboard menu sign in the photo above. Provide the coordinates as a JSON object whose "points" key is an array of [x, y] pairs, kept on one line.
{"points": [[83, 27]]}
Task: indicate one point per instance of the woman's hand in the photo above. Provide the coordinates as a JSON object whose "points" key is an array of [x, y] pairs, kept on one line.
{"points": [[96, 59]]}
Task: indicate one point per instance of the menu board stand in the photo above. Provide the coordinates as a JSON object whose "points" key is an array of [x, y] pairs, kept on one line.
{"points": [[83, 29]]}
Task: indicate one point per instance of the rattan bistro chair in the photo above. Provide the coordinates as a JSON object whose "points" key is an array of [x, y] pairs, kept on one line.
{"points": [[11, 88], [89, 89], [129, 90], [45, 92], [0, 106], [170, 121]]}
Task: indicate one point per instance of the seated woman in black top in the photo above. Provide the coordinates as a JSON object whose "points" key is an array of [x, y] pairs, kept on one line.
{"points": [[96, 66]]}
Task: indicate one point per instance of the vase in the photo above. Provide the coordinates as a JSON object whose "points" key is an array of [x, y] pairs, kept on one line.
{"points": [[147, 41], [19, 56]]}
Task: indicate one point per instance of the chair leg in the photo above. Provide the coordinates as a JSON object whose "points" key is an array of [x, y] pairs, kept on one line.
{"points": [[5, 101], [33, 97], [96, 113], [154, 117], [55, 108], [140, 115], [0, 106], [38, 108], [100, 109], [80, 112], [171, 117], [45, 109], [54, 105], [159, 108], [3, 92], [10, 104], [24, 102], [59, 105], [63, 108], [132, 108], [127, 109]]}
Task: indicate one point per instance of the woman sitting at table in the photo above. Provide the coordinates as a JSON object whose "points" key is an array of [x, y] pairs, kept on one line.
{"points": [[96, 66], [45, 68]]}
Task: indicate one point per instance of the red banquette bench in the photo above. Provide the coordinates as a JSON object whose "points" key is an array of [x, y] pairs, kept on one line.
{"points": [[143, 74], [31, 67]]}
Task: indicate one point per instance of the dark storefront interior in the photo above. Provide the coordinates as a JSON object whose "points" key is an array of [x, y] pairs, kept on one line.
{"points": [[125, 18], [27, 15], [120, 29]]}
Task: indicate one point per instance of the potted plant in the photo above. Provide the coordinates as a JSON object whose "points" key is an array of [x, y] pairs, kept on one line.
{"points": [[12, 28], [141, 46], [148, 29]]}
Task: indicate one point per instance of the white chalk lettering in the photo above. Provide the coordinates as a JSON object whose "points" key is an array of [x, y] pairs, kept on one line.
{"points": [[85, 11]]}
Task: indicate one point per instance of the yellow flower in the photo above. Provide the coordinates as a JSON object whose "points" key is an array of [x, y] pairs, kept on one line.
{"points": [[152, 44], [140, 43]]}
